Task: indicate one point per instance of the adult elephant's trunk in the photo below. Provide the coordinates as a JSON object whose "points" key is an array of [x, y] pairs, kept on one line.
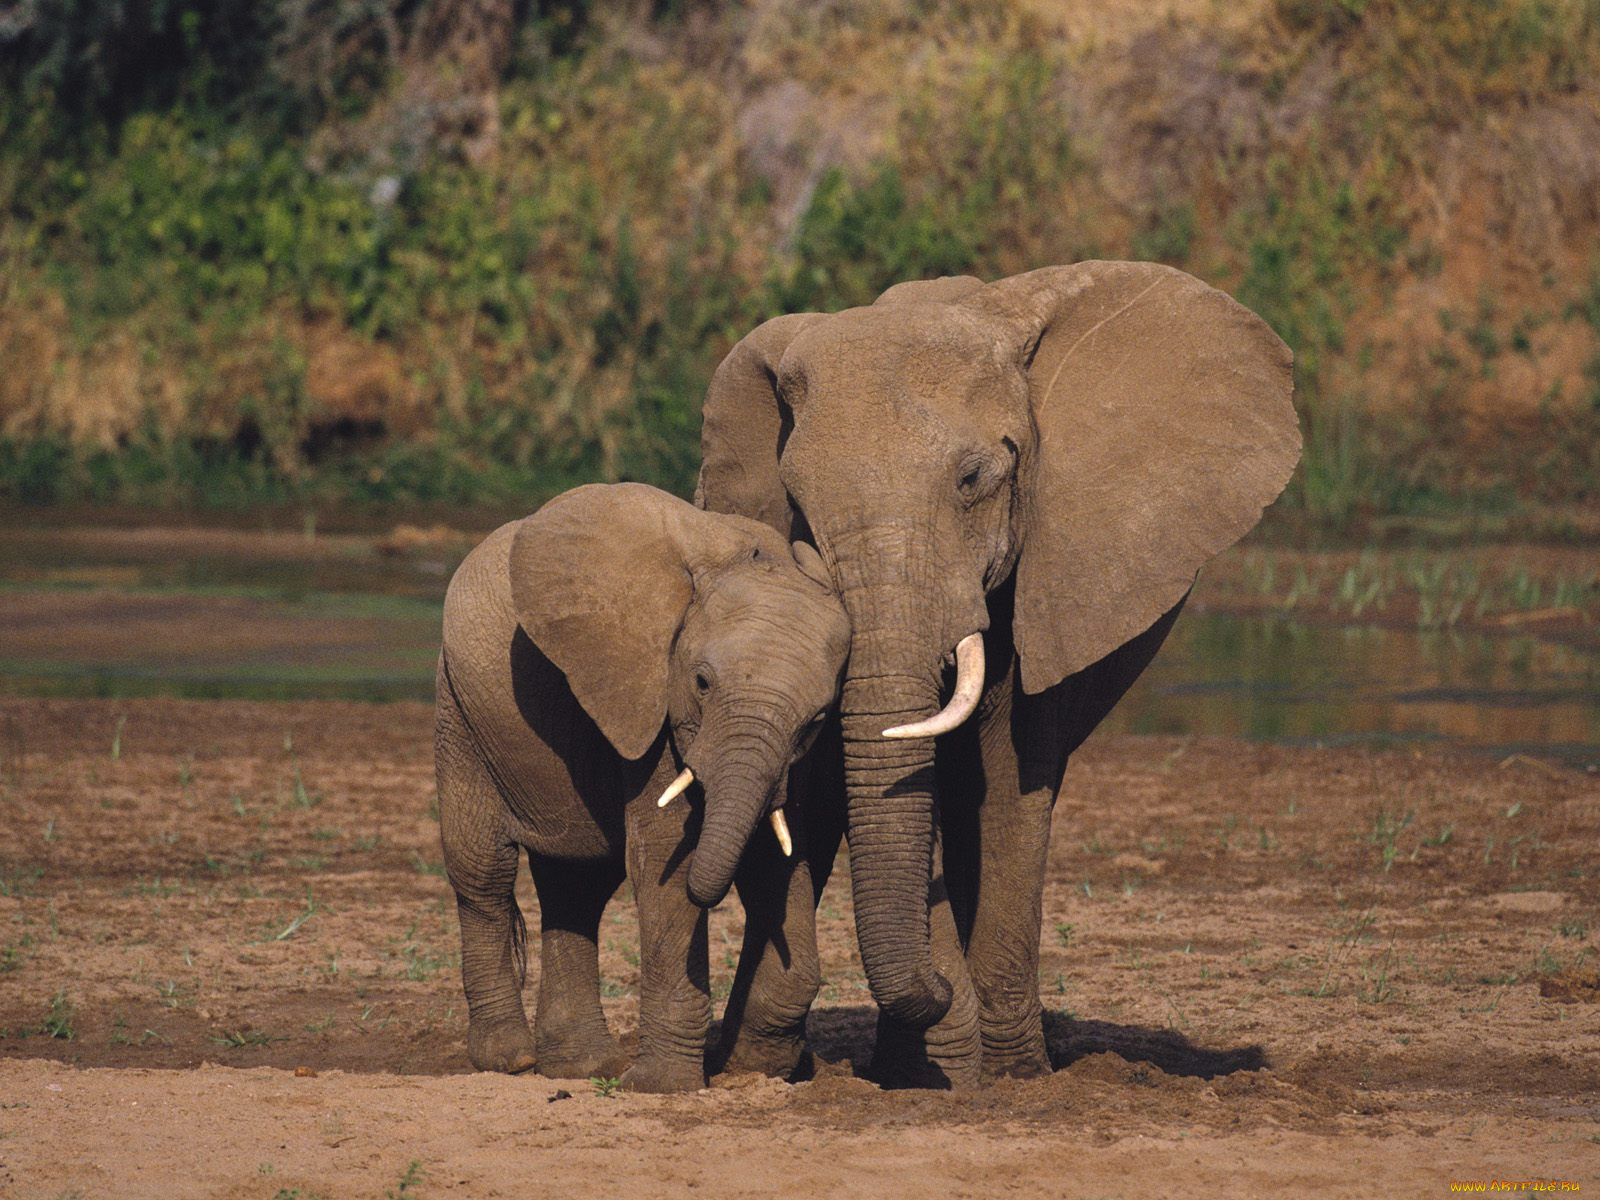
{"points": [[747, 770], [893, 680]]}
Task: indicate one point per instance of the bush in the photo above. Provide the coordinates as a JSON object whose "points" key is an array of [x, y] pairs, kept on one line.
{"points": [[230, 282]]}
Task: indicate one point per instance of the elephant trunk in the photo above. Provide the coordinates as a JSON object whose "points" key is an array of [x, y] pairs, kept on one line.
{"points": [[738, 789], [889, 788]]}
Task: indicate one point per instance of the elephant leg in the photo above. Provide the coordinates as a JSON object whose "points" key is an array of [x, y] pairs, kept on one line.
{"points": [[1023, 746], [1022, 761], [764, 1025], [674, 976], [949, 1053], [572, 1039], [481, 861]]}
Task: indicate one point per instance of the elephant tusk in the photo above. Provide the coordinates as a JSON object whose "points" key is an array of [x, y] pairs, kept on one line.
{"points": [[676, 788], [969, 684], [781, 827]]}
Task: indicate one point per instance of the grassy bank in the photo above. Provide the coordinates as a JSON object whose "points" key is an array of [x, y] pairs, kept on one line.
{"points": [[253, 281]]}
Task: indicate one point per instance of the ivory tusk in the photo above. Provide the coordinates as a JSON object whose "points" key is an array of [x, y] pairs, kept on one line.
{"points": [[676, 788], [781, 827], [969, 685]]}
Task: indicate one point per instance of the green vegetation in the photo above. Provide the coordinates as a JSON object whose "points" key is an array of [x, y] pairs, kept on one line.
{"points": [[1387, 827], [311, 909], [1430, 588], [58, 1018], [274, 270], [410, 1184], [18, 880], [243, 1038]]}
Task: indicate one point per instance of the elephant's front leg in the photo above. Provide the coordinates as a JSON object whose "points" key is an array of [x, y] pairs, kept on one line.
{"points": [[1022, 766], [948, 1054], [764, 1025], [674, 987]]}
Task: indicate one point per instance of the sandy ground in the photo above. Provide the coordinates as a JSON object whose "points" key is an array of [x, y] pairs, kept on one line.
{"points": [[228, 968]]}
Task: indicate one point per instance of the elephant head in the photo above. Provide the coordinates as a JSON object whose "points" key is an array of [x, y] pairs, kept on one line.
{"points": [[1088, 435], [657, 611]]}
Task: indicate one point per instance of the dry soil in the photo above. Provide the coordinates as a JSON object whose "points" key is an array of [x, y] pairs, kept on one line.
{"points": [[228, 968]]}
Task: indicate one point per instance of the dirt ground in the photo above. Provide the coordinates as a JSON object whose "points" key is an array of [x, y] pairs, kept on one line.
{"points": [[228, 967]]}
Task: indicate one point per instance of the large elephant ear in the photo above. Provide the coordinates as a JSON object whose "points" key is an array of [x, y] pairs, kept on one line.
{"points": [[1165, 426], [743, 427], [600, 581]]}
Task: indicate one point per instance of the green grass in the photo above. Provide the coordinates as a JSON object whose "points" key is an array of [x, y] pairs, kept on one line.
{"points": [[18, 881], [1387, 827], [310, 910], [58, 1019], [1442, 589], [410, 1182], [243, 1038], [427, 866]]}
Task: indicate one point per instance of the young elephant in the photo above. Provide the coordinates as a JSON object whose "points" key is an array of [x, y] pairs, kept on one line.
{"points": [[599, 655]]}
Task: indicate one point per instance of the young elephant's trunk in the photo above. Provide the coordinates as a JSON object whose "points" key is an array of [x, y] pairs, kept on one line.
{"points": [[739, 785]]}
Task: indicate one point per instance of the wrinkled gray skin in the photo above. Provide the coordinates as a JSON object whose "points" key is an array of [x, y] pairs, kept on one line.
{"points": [[590, 650], [1046, 460]]}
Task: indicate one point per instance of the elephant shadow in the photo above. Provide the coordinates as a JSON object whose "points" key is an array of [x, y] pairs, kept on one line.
{"points": [[845, 1036]]}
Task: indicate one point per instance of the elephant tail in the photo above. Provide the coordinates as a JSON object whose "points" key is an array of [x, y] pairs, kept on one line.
{"points": [[519, 942]]}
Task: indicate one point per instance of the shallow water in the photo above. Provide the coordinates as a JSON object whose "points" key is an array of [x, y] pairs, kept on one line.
{"points": [[1268, 678], [219, 616]]}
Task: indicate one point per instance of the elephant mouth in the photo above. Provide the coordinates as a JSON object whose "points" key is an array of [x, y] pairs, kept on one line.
{"points": [[716, 858], [970, 669], [773, 809]]}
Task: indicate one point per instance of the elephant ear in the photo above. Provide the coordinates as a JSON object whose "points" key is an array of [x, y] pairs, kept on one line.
{"points": [[1165, 426], [600, 581], [743, 426]]}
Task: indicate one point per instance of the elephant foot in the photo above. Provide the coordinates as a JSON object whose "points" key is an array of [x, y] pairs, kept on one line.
{"points": [[1016, 1050], [765, 1054], [504, 1046], [656, 1073], [592, 1054], [911, 1058]]}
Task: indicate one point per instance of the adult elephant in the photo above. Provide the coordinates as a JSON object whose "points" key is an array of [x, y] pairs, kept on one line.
{"points": [[1029, 473]]}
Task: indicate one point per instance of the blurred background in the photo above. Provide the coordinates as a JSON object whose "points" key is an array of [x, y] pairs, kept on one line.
{"points": [[300, 297]]}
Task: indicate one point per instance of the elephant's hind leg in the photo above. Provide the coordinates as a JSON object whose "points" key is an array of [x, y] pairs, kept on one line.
{"points": [[481, 861], [572, 1038]]}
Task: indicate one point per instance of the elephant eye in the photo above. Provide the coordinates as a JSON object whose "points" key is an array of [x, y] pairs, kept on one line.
{"points": [[970, 481], [702, 682]]}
